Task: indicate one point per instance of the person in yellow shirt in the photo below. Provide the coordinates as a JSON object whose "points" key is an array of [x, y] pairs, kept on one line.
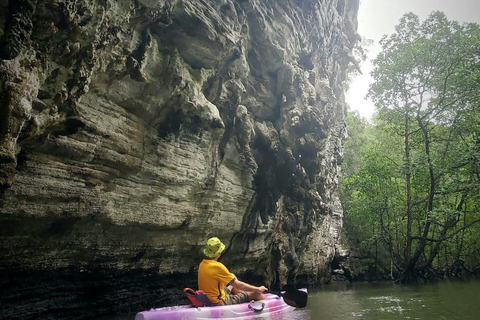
{"points": [[221, 286]]}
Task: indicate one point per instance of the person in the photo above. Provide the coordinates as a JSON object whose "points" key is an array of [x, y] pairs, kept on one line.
{"points": [[219, 284]]}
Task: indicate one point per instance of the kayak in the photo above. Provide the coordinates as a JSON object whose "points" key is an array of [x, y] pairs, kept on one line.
{"points": [[273, 307]]}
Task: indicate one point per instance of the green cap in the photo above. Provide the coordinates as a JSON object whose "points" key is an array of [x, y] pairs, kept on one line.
{"points": [[214, 247]]}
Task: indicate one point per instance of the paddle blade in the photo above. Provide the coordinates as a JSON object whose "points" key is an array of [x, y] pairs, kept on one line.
{"points": [[290, 302], [295, 298]]}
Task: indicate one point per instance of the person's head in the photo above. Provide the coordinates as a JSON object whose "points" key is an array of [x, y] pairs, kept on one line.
{"points": [[214, 248]]}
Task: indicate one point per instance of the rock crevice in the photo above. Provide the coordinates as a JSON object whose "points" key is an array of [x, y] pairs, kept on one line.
{"points": [[131, 131]]}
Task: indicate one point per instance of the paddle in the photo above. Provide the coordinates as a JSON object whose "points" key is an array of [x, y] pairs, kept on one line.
{"points": [[294, 298]]}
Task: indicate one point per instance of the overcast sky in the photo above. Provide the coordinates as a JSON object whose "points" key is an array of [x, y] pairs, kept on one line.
{"points": [[379, 17]]}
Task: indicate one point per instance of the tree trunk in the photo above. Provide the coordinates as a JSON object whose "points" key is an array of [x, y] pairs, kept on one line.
{"points": [[408, 248]]}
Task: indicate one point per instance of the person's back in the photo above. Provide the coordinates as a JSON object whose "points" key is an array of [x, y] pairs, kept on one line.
{"points": [[213, 277]]}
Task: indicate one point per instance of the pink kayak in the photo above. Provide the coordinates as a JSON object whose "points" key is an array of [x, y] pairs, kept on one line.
{"points": [[272, 307]]}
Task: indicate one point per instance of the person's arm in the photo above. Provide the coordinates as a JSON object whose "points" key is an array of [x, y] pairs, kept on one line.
{"points": [[243, 286]]}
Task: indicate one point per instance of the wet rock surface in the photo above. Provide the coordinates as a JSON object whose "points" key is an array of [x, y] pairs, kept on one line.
{"points": [[131, 131]]}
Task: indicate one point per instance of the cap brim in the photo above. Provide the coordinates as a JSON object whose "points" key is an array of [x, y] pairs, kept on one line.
{"points": [[221, 249]]}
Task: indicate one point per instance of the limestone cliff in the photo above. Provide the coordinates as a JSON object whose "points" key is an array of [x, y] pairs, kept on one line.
{"points": [[131, 131]]}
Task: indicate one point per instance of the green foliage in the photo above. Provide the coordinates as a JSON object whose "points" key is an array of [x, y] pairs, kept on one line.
{"points": [[411, 180]]}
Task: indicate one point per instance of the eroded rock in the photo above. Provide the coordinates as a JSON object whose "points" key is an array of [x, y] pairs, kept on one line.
{"points": [[131, 131]]}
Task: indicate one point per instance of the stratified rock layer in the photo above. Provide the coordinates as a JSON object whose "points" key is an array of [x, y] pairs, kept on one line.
{"points": [[131, 131]]}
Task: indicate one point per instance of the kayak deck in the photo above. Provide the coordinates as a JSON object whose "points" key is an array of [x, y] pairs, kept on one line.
{"points": [[271, 306]]}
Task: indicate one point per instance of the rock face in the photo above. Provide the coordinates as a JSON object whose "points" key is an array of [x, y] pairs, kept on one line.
{"points": [[132, 131]]}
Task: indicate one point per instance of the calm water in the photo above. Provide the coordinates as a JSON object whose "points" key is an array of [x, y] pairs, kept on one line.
{"points": [[445, 300]]}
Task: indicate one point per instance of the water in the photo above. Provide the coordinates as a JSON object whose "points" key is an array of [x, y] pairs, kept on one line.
{"points": [[444, 300], [450, 300]]}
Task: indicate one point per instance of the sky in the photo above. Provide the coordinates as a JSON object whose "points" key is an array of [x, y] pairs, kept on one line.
{"points": [[379, 17]]}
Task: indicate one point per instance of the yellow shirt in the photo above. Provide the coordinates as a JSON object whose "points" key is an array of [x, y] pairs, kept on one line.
{"points": [[213, 276]]}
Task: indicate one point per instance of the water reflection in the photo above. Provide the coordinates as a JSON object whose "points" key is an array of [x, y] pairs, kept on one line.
{"points": [[299, 314], [444, 300], [384, 301]]}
